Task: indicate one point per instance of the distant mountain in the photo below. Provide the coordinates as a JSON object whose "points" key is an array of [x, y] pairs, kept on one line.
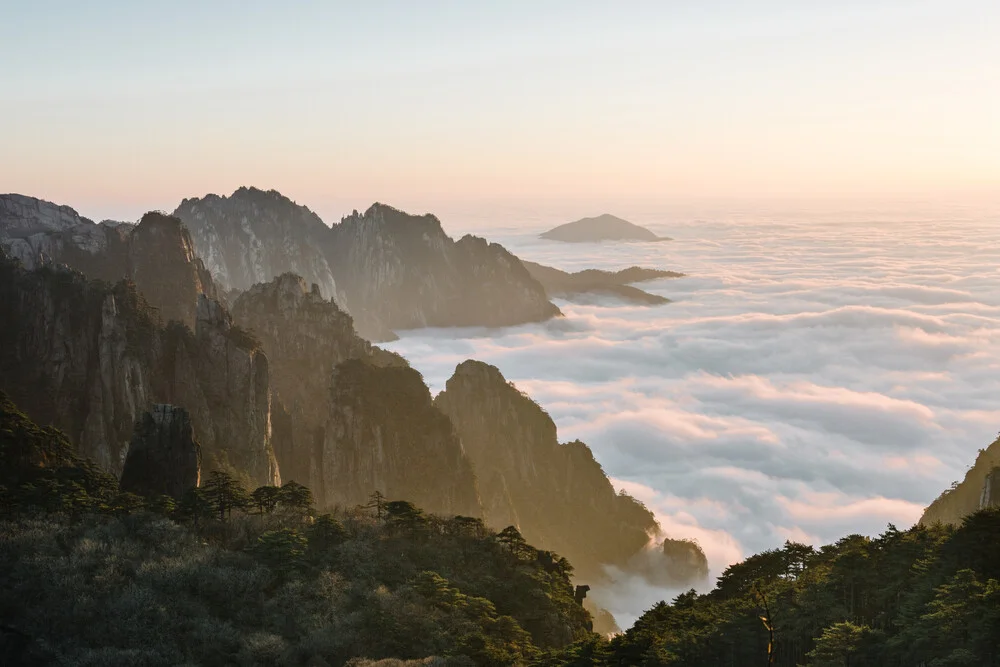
{"points": [[559, 283], [389, 269], [604, 227], [979, 490], [157, 254]]}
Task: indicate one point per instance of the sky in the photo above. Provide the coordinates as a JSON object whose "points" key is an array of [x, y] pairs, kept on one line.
{"points": [[120, 107]]}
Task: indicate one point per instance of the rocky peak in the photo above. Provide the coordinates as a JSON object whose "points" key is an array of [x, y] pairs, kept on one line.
{"points": [[384, 434], [163, 456], [560, 495], [157, 254], [23, 216], [254, 235], [304, 336]]}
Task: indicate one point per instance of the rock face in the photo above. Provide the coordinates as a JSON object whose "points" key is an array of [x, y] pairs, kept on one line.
{"points": [[163, 458], [558, 493], [616, 284], [604, 227], [90, 358], [388, 269], [252, 236], [304, 336], [400, 271], [384, 434], [157, 254], [980, 489]]}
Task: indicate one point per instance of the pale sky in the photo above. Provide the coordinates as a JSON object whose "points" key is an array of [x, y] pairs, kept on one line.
{"points": [[119, 107]]}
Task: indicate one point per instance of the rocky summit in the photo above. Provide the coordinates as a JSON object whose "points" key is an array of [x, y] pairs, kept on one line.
{"points": [[390, 270], [157, 254]]}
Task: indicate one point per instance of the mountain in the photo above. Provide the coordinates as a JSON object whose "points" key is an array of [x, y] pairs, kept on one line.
{"points": [[558, 283], [90, 357], [401, 271], [384, 434], [252, 236], [979, 490], [304, 336], [604, 227], [157, 254], [388, 269], [557, 493]]}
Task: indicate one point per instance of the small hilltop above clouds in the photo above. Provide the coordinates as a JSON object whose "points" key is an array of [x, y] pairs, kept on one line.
{"points": [[605, 227]]}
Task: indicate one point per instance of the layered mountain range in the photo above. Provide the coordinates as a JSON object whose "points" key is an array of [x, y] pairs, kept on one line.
{"points": [[388, 269], [116, 335]]}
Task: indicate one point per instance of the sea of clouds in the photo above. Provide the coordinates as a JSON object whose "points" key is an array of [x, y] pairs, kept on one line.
{"points": [[811, 378]]}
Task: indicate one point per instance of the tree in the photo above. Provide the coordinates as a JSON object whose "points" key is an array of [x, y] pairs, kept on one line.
{"points": [[837, 644], [296, 496], [283, 550], [266, 498], [325, 534], [225, 493], [376, 501], [404, 514], [195, 505]]}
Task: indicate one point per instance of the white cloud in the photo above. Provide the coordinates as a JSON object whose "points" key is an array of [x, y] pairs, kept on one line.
{"points": [[807, 382]]}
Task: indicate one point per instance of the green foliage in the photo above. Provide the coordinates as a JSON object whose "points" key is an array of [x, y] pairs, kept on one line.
{"points": [[225, 493], [265, 498], [295, 496], [926, 596]]}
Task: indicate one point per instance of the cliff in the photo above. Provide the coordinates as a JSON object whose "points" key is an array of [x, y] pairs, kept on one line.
{"points": [[979, 490], [163, 457], [90, 358], [617, 284], [252, 236], [559, 494], [304, 336], [388, 269], [157, 254], [384, 434]]}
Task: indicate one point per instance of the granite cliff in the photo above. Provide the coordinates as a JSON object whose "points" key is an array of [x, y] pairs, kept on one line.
{"points": [[305, 336], [89, 358], [558, 494], [388, 269], [157, 254], [252, 236], [384, 434], [979, 490]]}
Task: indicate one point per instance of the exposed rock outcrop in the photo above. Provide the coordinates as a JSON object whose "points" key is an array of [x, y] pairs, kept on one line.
{"points": [[388, 269], [561, 497], [90, 358], [252, 236], [558, 283], [980, 489], [157, 254], [400, 271], [163, 457], [384, 434], [605, 227], [304, 336]]}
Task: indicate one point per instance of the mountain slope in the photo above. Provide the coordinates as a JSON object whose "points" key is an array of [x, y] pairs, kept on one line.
{"points": [[157, 254], [388, 269], [605, 227], [979, 490]]}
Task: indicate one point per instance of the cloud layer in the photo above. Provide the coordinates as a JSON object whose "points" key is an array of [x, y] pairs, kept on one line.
{"points": [[810, 379]]}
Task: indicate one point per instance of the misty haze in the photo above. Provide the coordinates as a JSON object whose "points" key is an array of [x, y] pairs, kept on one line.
{"points": [[549, 334]]}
